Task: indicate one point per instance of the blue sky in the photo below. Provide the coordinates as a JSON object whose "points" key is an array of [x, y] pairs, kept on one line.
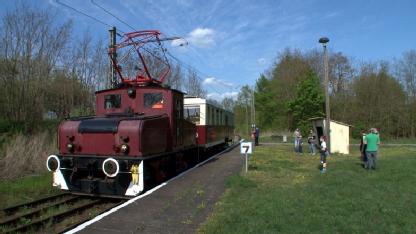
{"points": [[232, 42]]}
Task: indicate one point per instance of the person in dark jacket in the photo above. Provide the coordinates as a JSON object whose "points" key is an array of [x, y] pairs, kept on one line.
{"points": [[256, 136], [363, 147], [311, 142]]}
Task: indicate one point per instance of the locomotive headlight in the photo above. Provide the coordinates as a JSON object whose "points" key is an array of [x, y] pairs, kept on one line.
{"points": [[110, 167], [53, 163], [70, 147], [124, 148]]}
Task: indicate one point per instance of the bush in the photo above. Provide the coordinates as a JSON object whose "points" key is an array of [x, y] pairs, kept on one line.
{"points": [[26, 155]]}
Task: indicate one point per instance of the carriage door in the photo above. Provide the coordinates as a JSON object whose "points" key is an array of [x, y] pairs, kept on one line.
{"points": [[179, 118]]}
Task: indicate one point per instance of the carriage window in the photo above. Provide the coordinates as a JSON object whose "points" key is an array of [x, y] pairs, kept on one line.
{"points": [[112, 101], [192, 114], [153, 100]]}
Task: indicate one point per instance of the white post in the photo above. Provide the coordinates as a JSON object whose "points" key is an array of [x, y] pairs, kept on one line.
{"points": [[246, 162]]}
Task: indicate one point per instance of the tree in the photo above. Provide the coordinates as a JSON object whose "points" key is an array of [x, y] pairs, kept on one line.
{"points": [[406, 72], [340, 73], [175, 77], [193, 85], [228, 103], [242, 109], [32, 44], [308, 103], [286, 75], [266, 107], [379, 102]]}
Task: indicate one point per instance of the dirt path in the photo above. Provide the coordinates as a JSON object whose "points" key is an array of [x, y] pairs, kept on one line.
{"points": [[179, 207]]}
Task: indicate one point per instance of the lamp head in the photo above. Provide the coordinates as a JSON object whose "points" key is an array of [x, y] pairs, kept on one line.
{"points": [[323, 40]]}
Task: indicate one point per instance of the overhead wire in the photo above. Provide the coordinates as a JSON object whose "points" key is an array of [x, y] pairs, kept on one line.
{"points": [[82, 13], [108, 12]]}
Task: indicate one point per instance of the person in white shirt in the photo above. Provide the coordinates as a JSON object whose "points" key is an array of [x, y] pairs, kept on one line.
{"points": [[324, 153]]}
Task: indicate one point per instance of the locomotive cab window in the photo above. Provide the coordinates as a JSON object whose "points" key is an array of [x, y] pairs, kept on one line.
{"points": [[153, 100], [112, 101]]}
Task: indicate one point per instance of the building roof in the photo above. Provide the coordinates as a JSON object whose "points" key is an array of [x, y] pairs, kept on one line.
{"points": [[319, 118]]}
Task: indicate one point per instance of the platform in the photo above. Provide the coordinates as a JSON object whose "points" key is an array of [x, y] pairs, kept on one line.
{"points": [[180, 206]]}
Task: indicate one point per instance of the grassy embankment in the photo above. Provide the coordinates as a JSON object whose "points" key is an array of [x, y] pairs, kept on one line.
{"points": [[23, 174], [26, 189], [285, 193]]}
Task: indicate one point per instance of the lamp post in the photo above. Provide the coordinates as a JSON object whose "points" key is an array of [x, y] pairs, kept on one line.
{"points": [[324, 41]]}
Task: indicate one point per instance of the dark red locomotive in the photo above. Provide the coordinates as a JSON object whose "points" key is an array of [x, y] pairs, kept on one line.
{"points": [[138, 137]]}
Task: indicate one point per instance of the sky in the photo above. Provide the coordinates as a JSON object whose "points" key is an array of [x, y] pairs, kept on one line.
{"points": [[232, 42]]}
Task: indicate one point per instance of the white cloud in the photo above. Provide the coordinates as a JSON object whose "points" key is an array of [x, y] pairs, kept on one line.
{"points": [[202, 37], [261, 61], [179, 42], [220, 96], [217, 82]]}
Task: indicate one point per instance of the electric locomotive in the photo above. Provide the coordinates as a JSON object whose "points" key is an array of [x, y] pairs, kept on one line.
{"points": [[138, 137]]}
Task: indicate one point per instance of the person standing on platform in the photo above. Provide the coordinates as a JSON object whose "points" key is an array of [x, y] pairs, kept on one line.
{"points": [[363, 147], [324, 153], [256, 135], [311, 142], [300, 142], [372, 141], [296, 136], [253, 134]]}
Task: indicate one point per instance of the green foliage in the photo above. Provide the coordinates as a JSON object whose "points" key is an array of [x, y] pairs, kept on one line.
{"points": [[373, 97], [308, 103], [381, 102], [266, 106], [243, 110]]}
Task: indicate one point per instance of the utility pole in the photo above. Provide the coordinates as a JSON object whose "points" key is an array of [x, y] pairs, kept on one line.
{"points": [[112, 77], [253, 107], [324, 41]]}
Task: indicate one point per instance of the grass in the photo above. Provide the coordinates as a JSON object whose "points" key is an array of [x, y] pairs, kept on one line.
{"points": [[26, 189], [285, 193]]}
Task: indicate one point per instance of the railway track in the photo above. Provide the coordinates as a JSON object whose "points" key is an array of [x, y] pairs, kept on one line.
{"points": [[53, 214]]}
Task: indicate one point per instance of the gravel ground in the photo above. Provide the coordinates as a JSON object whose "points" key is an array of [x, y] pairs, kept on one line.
{"points": [[180, 206]]}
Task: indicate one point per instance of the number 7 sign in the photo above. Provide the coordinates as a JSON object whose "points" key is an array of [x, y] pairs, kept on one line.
{"points": [[246, 148]]}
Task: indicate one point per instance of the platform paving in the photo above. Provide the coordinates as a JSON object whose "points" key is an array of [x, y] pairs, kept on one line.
{"points": [[180, 206]]}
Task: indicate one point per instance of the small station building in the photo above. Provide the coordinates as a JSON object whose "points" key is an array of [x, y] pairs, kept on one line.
{"points": [[339, 134]]}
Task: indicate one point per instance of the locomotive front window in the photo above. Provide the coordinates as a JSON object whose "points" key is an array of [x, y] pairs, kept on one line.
{"points": [[192, 114], [153, 100], [112, 101]]}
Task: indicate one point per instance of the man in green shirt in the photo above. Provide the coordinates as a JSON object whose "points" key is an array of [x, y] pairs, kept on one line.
{"points": [[372, 141]]}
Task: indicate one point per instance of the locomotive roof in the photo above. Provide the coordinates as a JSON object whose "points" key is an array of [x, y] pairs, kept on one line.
{"points": [[138, 87], [192, 100]]}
